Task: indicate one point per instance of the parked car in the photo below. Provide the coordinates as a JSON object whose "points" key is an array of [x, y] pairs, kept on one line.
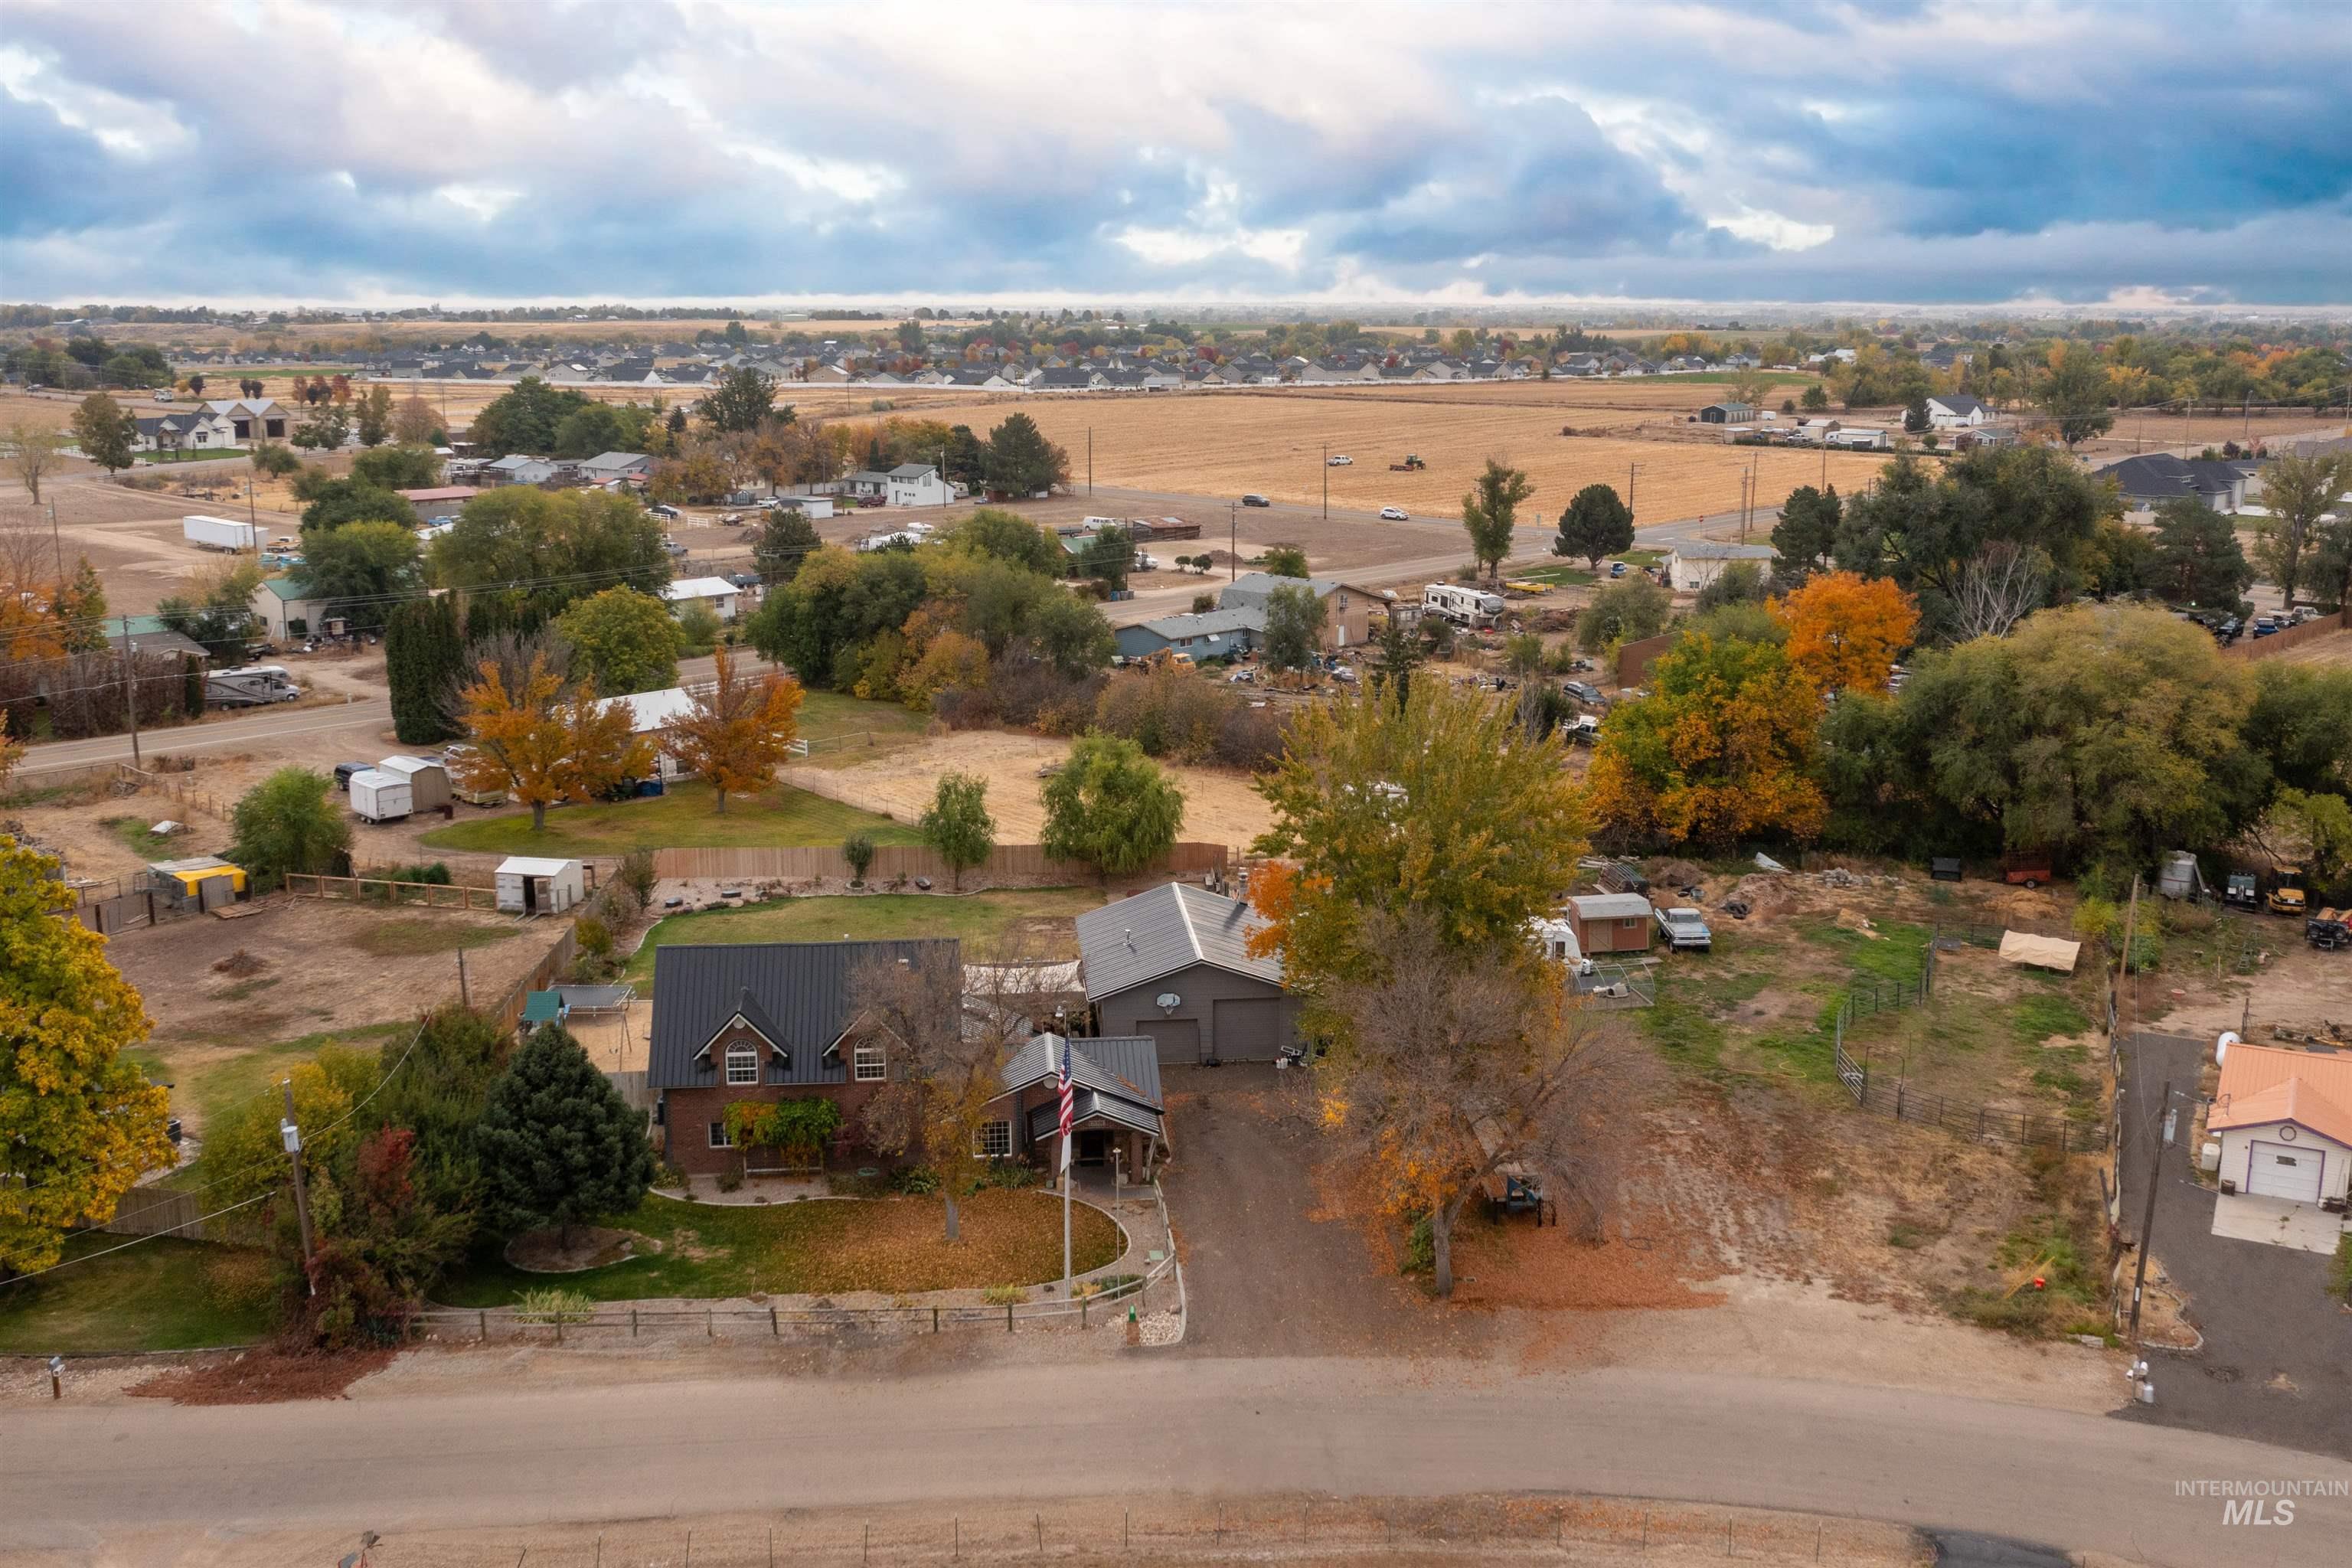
{"points": [[665, 512], [1246, 674], [1582, 730], [1340, 460], [1584, 691], [868, 503], [1616, 569], [674, 547], [2227, 632], [343, 771], [2267, 626], [2303, 613], [1255, 500], [1395, 514]]}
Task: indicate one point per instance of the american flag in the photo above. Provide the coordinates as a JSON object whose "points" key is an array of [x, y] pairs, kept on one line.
{"points": [[1070, 1102]]}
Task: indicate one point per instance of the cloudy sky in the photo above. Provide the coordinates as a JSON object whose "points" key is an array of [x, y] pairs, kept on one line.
{"points": [[404, 150]]}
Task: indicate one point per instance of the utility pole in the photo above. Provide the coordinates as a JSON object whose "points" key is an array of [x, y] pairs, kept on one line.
{"points": [[1631, 470], [2123, 963], [2156, 1140], [130, 688], [292, 1134], [463, 999], [1233, 537], [1090, 459], [58, 543], [1327, 481]]}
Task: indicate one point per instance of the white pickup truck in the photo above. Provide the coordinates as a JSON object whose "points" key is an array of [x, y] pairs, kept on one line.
{"points": [[1685, 930]]}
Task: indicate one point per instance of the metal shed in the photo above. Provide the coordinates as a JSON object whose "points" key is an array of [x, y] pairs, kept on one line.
{"points": [[428, 781], [530, 886], [201, 881]]}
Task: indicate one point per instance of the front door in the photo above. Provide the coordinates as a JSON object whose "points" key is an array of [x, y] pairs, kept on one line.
{"points": [[1092, 1146]]}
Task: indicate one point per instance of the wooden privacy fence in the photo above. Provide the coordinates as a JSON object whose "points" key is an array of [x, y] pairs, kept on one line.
{"points": [[1010, 863], [155, 1211], [2249, 646], [506, 1012]]}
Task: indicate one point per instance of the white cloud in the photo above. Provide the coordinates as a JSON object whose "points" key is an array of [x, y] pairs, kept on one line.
{"points": [[482, 203], [1778, 230]]}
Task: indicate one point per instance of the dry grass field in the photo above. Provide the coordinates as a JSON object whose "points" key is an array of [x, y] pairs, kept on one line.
{"points": [[1222, 443], [2333, 651]]}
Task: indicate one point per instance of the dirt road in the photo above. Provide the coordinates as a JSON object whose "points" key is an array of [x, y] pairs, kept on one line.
{"points": [[78, 1474]]}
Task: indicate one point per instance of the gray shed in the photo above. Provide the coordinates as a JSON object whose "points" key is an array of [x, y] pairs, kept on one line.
{"points": [[428, 781], [1173, 963]]}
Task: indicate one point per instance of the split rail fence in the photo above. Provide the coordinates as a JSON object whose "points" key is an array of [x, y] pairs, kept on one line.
{"points": [[387, 890]]}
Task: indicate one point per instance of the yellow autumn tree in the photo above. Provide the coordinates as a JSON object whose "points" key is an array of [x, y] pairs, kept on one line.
{"points": [[740, 729], [1721, 751], [79, 1123], [1846, 631], [542, 742]]}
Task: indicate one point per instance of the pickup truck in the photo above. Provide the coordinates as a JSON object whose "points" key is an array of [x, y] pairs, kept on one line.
{"points": [[2330, 929], [1684, 930]]}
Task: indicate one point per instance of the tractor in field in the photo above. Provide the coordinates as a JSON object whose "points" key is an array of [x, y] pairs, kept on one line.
{"points": [[1411, 465]]}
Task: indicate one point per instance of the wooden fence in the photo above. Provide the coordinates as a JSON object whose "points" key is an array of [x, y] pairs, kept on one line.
{"points": [[157, 1211], [385, 890], [2249, 646], [507, 1011], [1011, 864]]}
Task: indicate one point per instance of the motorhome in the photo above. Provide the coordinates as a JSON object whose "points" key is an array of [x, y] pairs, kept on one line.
{"points": [[250, 685], [1464, 607]]}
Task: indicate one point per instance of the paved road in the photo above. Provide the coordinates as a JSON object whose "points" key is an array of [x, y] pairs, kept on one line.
{"points": [[358, 724], [2277, 1359], [1157, 1423]]}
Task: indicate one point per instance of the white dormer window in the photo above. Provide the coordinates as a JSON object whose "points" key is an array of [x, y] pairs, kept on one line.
{"points": [[870, 1066], [742, 1065]]}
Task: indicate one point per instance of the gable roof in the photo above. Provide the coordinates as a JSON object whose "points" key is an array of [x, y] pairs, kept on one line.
{"points": [[1173, 927], [2263, 1084], [1116, 1078], [1958, 402], [1710, 550], [800, 991], [2161, 474], [1208, 623]]}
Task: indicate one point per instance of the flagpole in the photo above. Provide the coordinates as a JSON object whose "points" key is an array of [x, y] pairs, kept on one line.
{"points": [[1066, 1185]]}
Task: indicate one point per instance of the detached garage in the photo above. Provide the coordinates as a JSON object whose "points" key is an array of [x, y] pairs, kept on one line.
{"points": [[2285, 1121], [1174, 965]]}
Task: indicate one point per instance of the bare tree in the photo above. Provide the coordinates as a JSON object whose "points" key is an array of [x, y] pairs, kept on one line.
{"points": [[34, 451], [1463, 1067], [1997, 589], [943, 1069]]}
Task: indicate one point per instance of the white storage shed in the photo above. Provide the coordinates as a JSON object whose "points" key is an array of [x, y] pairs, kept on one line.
{"points": [[428, 781], [531, 886], [379, 797]]}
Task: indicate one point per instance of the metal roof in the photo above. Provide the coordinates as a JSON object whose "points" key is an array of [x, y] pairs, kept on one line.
{"points": [[1208, 623], [1173, 927], [408, 767], [1126, 1066], [1609, 906], [532, 866], [1708, 550], [794, 994]]}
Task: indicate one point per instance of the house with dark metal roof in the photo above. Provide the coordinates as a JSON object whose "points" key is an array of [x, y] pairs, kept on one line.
{"points": [[1173, 965], [767, 1021], [1117, 1112], [2149, 481], [1347, 609], [1213, 633]]}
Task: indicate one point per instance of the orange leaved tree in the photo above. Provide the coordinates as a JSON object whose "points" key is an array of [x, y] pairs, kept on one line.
{"points": [[542, 742], [1846, 630], [1721, 751], [739, 730]]}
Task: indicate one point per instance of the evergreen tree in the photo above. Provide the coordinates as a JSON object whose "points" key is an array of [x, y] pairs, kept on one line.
{"points": [[423, 658], [558, 1143]]}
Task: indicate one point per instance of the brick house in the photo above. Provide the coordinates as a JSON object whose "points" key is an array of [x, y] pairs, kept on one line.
{"points": [[766, 1022]]}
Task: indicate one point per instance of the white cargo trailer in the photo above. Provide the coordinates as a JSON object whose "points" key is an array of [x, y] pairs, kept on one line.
{"points": [[379, 797], [219, 533]]}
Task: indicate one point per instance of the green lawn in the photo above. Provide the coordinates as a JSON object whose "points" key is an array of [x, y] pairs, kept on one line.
{"points": [[1640, 557], [825, 715], [192, 455], [161, 1295], [1556, 574], [818, 1245], [685, 818], [132, 832], [208, 1090], [893, 916]]}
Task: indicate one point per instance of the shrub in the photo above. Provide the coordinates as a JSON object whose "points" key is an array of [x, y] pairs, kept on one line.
{"points": [[594, 937], [1009, 1175], [730, 1179], [858, 850], [1420, 1249], [636, 874], [1005, 1294], [917, 1181], [1169, 711], [554, 1304]]}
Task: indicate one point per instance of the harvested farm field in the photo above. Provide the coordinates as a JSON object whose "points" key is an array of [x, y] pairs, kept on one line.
{"points": [[1223, 444]]}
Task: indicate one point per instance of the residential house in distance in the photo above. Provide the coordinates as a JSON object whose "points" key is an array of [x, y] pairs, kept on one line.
{"points": [[723, 596], [515, 468], [1347, 610], [1214, 633], [607, 467], [252, 419], [916, 484], [284, 611], [1691, 567], [1173, 965], [2149, 481], [1956, 411]]}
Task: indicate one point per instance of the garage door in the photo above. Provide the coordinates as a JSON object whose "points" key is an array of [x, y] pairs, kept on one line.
{"points": [[1179, 1040], [2282, 1171], [1249, 1030]]}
